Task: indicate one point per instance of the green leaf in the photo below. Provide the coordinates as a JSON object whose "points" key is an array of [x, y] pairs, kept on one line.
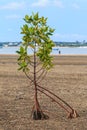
{"points": [[25, 27], [23, 64], [36, 16], [26, 17], [18, 52], [51, 30], [22, 49], [20, 68]]}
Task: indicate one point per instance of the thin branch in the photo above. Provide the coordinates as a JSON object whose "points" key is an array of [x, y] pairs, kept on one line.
{"points": [[39, 63], [40, 74], [42, 77], [29, 77], [39, 70]]}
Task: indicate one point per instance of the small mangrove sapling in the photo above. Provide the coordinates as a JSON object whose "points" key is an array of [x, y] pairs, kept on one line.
{"points": [[36, 35]]}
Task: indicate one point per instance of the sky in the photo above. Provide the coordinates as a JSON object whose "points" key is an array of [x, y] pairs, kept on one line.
{"points": [[67, 17]]}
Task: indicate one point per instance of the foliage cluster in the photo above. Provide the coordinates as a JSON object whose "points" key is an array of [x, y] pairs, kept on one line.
{"points": [[36, 34]]}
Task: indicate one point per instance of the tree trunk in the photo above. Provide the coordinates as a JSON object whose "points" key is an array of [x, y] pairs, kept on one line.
{"points": [[37, 114]]}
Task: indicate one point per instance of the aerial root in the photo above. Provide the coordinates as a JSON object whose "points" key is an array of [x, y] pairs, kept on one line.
{"points": [[39, 115], [73, 114]]}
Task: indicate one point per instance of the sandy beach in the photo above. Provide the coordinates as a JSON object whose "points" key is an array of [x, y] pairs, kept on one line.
{"points": [[67, 79]]}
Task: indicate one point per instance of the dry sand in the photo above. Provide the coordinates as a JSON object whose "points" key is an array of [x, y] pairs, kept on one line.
{"points": [[68, 79]]}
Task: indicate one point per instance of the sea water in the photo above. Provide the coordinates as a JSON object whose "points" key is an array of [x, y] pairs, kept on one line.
{"points": [[55, 50], [70, 50]]}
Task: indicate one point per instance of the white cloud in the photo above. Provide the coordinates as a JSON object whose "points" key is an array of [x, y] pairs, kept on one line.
{"points": [[44, 3], [40, 3], [58, 3], [14, 16], [13, 6], [75, 6]]}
